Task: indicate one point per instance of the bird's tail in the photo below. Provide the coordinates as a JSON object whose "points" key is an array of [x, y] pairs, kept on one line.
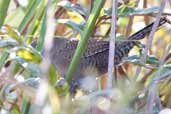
{"points": [[146, 30], [124, 47]]}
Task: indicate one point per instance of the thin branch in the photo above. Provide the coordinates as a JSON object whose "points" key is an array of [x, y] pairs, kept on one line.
{"points": [[131, 19], [128, 28], [112, 45], [150, 38]]}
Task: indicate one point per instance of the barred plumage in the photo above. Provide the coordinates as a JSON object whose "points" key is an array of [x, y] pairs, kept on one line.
{"points": [[96, 54]]}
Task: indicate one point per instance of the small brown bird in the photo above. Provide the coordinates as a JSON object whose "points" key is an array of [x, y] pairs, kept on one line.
{"points": [[96, 54]]}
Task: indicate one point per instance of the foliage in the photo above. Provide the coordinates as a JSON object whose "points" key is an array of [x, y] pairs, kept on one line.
{"points": [[30, 85]]}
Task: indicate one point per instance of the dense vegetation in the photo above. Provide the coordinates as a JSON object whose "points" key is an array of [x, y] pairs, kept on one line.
{"points": [[30, 85]]}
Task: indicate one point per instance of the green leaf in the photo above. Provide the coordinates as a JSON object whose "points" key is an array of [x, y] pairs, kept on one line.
{"points": [[52, 75], [143, 11], [136, 59], [7, 43], [34, 69], [159, 74], [3, 10], [152, 60], [73, 7], [15, 17], [40, 42], [72, 24], [25, 107], [11, 33], [28, 54], [123, 21], [10, 95], [3, 58], [32, 82], [129, 11], [36, 23], [15, 111], [30, 12]]}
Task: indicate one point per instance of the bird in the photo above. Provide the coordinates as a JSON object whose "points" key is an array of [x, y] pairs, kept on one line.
{"points": [[95, 55]]}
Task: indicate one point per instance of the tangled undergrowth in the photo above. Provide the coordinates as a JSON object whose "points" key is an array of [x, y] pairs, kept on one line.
{"points": [[29, 84]]}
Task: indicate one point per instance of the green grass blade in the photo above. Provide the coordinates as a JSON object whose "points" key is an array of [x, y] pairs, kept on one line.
{"points": [[3, 10], [3, 58], [29, 15], [25, 106], [37, 21], [40, 41], [84, 40]]}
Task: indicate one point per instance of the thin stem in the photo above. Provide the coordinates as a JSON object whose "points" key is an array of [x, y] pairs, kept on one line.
{"points": [[84, 40], [3, 58], [28, 16], [112, 45], [150, 38]]}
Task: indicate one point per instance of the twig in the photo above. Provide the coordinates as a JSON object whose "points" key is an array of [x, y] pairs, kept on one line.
{"points": [[162, 62], [112, 45], [146, 19], [128, 28], [131, 19], [150, 38]]}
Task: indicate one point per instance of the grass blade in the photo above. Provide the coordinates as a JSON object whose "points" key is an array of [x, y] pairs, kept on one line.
{"points": [[84, 40], [3, 58], [28, 15], [40, 41], [3, 10]]}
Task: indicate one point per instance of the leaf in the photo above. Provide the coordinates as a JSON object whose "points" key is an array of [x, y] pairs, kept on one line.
{"points": [[32, 81], [140, 45], [135, 59], [11, 33], [40, 42], [129, 11], [52, 75], [15, 111], [73, 7], [25, 105], [159, 74], [3, 10], [4, 57], [37, 21], [72, 24], [123, 21], [153, 60], [33, 68], [10, 95], [144, 11], [7, 43], [30, 11], [28, 54]]}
